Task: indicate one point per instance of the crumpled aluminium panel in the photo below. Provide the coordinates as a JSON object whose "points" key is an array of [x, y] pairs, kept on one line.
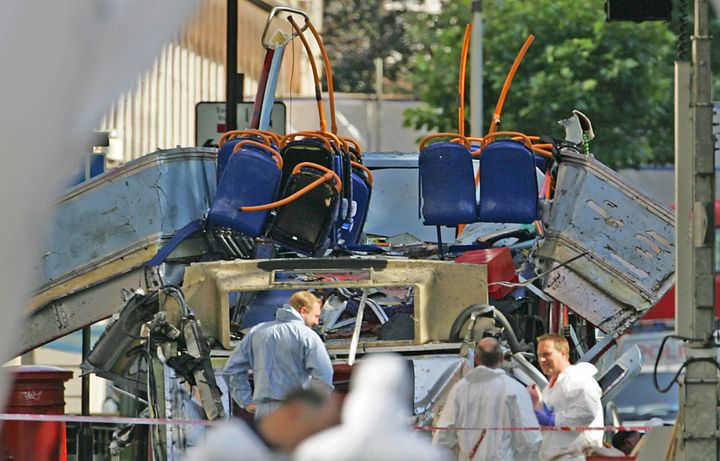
{"points": [[623, 240]]}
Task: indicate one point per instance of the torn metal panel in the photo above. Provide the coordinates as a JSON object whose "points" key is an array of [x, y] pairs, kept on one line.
{"points": [[73, 312], [626, 237], [434, 375], [115, 222], [442, 289]]}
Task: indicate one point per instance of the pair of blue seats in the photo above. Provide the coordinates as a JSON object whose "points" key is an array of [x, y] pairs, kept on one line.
{"points": [[508, 184], [309, 224]]}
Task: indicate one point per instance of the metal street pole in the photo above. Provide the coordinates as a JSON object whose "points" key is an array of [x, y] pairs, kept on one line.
{"points": [[695, 277], [476, 71], [233, 88]]}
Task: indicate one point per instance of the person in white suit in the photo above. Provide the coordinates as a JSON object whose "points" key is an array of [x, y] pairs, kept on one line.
{"points": [[375, 419], [486, 397], [571, 398]]}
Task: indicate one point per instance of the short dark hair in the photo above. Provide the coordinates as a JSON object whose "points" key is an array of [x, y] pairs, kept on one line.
{"points": [[490, 356], [620, 437], [311, 396]]}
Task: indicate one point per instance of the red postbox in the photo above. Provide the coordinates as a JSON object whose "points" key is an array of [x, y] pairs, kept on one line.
{"points": [[37, 390]]}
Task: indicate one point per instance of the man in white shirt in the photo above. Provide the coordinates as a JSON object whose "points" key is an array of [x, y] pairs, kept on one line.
{"points": [[571, 398], [488, 398]]}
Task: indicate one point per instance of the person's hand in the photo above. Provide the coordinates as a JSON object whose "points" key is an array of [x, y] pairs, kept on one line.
{"points": [[250, 408], [535, 396]]}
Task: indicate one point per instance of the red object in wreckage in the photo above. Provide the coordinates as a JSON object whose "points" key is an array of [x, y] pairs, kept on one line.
{"points": [[499, 268], [37, 390], [665, 308]]}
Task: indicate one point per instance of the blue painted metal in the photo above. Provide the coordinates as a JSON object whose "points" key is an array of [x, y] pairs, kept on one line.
{"points": [[181, 235], [139, 205], [269, 96], [447, 185], [508, 184], [250, 178], [90, 166]]}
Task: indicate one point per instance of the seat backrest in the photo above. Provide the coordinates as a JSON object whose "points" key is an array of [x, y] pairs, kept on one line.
{"points": [[223, 156], [361, 191], [447, 184], [304, 224], [250, 177], [508, 183], [227, 146], [305, 150], [328, 155]]}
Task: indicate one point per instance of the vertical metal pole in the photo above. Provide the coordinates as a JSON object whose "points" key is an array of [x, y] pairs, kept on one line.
{"points": [[476, 71], [378, 103], [231, 85], [86, 434], [699, 435]]}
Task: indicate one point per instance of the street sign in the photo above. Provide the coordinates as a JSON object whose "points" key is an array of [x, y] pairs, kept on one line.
{"points": [[210, 120]]}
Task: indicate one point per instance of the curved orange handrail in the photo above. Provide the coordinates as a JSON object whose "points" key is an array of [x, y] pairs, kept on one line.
{"points": [[328, 135], [308, 134], [272, 135], [338, 182], [328, 70], [516, 134], [249, 142], [542, 152], [542, 146], [506, 86], [427, 138], [291, 198], [354, 143], [227, 136], [365, 169], [316, 75], [339, 142], [461, 83]]}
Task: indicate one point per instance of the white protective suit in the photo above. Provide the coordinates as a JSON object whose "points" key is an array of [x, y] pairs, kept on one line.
{"points": [[487, 398], [375, 420], [575, 400], [227, 441]]}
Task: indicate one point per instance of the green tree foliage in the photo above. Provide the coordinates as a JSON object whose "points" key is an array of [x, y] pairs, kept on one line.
{"points": [[619, 74], [356, 32]]}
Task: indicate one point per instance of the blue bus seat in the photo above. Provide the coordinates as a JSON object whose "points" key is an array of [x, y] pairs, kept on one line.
{"points": [[226, 149], [250, 177], [447, 185], [361, 191], [508, 183]]}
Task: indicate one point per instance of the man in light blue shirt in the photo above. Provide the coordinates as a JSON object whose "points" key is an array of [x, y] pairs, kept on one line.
{"points": [[284, 354]]}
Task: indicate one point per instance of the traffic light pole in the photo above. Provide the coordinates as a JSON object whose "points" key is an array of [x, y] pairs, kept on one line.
{"points": [[698, 434]]}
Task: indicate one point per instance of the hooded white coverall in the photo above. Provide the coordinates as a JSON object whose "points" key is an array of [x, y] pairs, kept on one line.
{"points": [[375, 420], [575, 400], [227, 441], [487, 398]]}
